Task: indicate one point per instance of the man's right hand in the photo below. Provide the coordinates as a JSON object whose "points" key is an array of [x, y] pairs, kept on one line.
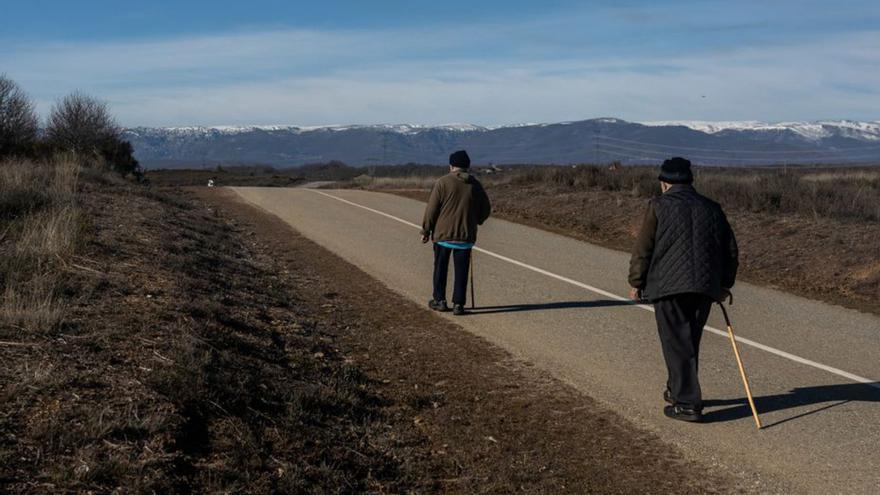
{"points": [[726, 295], [425, 239], [635, 294]]}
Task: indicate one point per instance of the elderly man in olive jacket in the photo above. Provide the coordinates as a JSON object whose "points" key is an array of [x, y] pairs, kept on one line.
{"points": [[458, 204], [685, 258]]}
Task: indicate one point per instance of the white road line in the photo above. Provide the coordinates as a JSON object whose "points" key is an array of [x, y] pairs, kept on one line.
{"points": [[749, 342]]}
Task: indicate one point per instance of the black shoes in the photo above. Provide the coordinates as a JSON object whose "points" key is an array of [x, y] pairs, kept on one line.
{"points": [[457, 309], [683, 413], [438, 305], [680, 412]]}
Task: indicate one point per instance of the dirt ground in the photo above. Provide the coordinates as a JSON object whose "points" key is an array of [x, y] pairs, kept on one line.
{"points": [[833, 260], [209, 348], [187, 363]]}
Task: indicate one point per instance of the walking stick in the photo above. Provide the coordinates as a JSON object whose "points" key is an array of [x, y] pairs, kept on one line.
{"points": [[471, 276], [742, 371]]}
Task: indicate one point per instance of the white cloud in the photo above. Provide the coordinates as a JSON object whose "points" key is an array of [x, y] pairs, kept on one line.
{"points": [[436, 75]]}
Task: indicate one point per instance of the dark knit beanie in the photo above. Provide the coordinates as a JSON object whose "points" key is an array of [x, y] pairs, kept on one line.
{"points": [[676, 171], [460, 159]]}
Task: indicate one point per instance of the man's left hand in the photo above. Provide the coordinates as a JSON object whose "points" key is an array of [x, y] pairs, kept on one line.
{"points": [[425, 239]]}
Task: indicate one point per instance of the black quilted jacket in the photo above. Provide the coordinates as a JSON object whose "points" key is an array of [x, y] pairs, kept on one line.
{"points": [[686, 246]]}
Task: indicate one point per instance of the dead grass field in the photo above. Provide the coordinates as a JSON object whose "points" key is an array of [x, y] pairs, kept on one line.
{"points": [[39, 230]]}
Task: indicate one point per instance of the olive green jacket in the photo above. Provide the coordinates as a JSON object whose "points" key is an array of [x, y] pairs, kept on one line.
{"points": [[457, 206]]}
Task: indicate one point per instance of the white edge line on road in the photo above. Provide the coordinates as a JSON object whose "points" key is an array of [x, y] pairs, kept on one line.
{"points": [[749, 342]]}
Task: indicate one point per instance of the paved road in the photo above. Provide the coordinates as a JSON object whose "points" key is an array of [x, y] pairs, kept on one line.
{"points": [[555, 302]]}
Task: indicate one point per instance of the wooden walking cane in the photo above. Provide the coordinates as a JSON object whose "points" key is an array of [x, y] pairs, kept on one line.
{"points": [[471, 276], [742, 371]]}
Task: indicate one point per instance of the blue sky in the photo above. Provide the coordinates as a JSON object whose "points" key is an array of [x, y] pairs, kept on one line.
{"points": [[484, 62]]}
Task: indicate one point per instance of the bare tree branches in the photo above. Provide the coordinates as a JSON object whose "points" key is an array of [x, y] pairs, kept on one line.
{"points": [[82, 124], [18, 119]]}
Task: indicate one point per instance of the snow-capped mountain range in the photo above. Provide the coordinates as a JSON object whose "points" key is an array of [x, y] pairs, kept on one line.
{"points": [[814, 131], [603, 140]]}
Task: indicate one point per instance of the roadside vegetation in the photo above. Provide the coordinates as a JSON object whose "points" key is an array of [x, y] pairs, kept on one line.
{"points": [[239, 175], [40, 219], [828, 192], [39, 230]]}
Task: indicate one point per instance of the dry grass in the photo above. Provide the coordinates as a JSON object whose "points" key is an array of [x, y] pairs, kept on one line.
{"points": [[817, 193], [32, 305], [48, 234], [409, 182], [845, 175], [39, 222]]}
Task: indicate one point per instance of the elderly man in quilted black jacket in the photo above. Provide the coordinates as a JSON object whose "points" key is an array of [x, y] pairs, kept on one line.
{"points": [[685, 258]]}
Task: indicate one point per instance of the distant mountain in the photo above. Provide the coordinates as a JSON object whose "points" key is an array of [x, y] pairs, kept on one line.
{"points": [[586, 141]]}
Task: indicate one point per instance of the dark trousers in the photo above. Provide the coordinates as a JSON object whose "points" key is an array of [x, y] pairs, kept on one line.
{"points": [[680, 321], [462, 260]]}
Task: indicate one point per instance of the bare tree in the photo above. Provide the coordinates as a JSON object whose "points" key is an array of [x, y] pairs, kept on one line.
{"points": [[81, 123], [18, 119]]}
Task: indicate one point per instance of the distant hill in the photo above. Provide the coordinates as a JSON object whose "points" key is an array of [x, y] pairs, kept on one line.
{"points": [[586, 141]]}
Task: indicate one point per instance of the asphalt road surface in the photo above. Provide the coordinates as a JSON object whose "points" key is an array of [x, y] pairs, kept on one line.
{"points": [[560, 304]]}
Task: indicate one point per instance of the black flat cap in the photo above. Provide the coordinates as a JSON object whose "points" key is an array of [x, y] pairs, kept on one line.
{"points": [[676, 171]]}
